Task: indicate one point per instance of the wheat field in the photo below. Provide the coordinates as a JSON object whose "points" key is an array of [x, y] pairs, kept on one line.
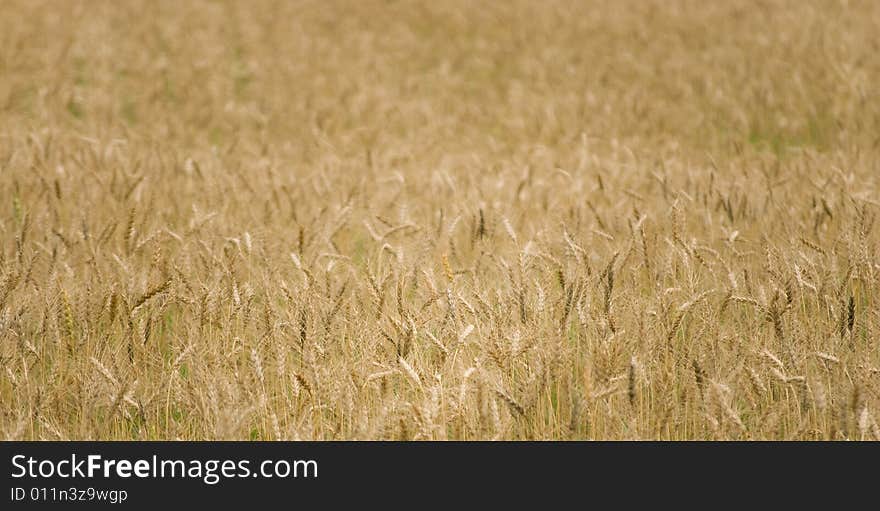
{"points": [[462, 220]]}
